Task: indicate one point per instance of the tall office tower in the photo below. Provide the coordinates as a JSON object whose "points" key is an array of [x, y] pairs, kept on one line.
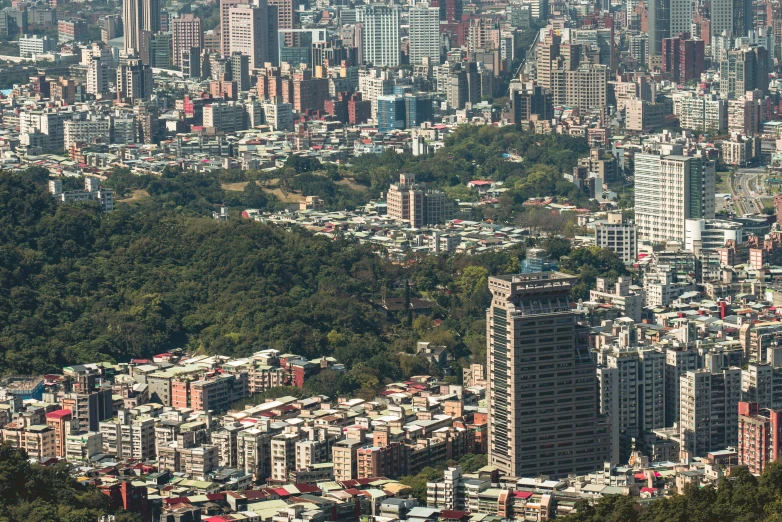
{"points": [[139, 16], [667, 19], [97, 76], [670, 190], [740, 72], [159, 50], [390, 113], [225, 28], [247, 26], [659, 25], [380, 41], [424, 35], [743, 17], [708, 411], [285, 19], [187, 32], [134, 81], [543, 396], [721, 17]]}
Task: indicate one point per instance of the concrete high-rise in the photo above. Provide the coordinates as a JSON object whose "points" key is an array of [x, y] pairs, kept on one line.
{"points": [[187, 32], [134, 81], [248, 28], [285, 19], [380, 39], [670, 189], [708, 411], [667, 19], [97, 76], [424, 35], [139, 16], [225, 29], [543, 392]]}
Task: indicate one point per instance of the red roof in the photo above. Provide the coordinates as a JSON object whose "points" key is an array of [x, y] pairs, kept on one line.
{"points": [[522, 494], [480, 182], [58, 414], [648, 490], [281, 492], [454, 515], [639, 476], [307, 488]]}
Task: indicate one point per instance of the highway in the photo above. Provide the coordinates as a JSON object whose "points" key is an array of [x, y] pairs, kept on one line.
{"points": [[747, 187]]}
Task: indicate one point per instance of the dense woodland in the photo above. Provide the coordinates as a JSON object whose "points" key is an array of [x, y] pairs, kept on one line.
{"points": [[740, 498], [33, 493], [157, 274]]}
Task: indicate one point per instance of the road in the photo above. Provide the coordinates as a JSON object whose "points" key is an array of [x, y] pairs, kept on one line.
{"points": [[747, 187]]}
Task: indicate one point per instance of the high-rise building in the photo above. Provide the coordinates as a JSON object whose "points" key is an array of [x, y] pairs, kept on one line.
{"points": [[639, 389], [667, 18], [682, 59], [380, 40], [741, 70], [668, 191], [285, 19], [390, 113], [139, 16], [134, 81], [528, 100], [148, 119], [110, 27], [410, 201], [240, 70], [187, 32], [248, 28], [618, 236], [424, 35], [708, 411], [418, 109], [745, 113], [760, 435], [97, 77], [543, 392]]}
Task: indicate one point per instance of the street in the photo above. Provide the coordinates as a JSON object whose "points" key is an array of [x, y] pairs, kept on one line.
{"points": [[747, 188]]}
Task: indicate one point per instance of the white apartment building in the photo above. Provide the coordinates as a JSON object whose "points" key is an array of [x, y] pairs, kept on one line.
{"points": [[706, 113], [129, 438], [638, 387], [678, 361], [279, 116], [372, 87], [224, 117], [668, 191], [85, 131], [661, 290], [708, 411], [621, 238], [283, 455], [97, 76], [380, 34], [31, 45], [425, 35]]}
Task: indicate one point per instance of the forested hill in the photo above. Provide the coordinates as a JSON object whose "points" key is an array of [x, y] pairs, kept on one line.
{"points": [[77, 285]]}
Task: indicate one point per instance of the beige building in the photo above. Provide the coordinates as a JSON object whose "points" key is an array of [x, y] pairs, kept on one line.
{"points": [[642, 116], [344, 455], [542, 381], [186, 32]]}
